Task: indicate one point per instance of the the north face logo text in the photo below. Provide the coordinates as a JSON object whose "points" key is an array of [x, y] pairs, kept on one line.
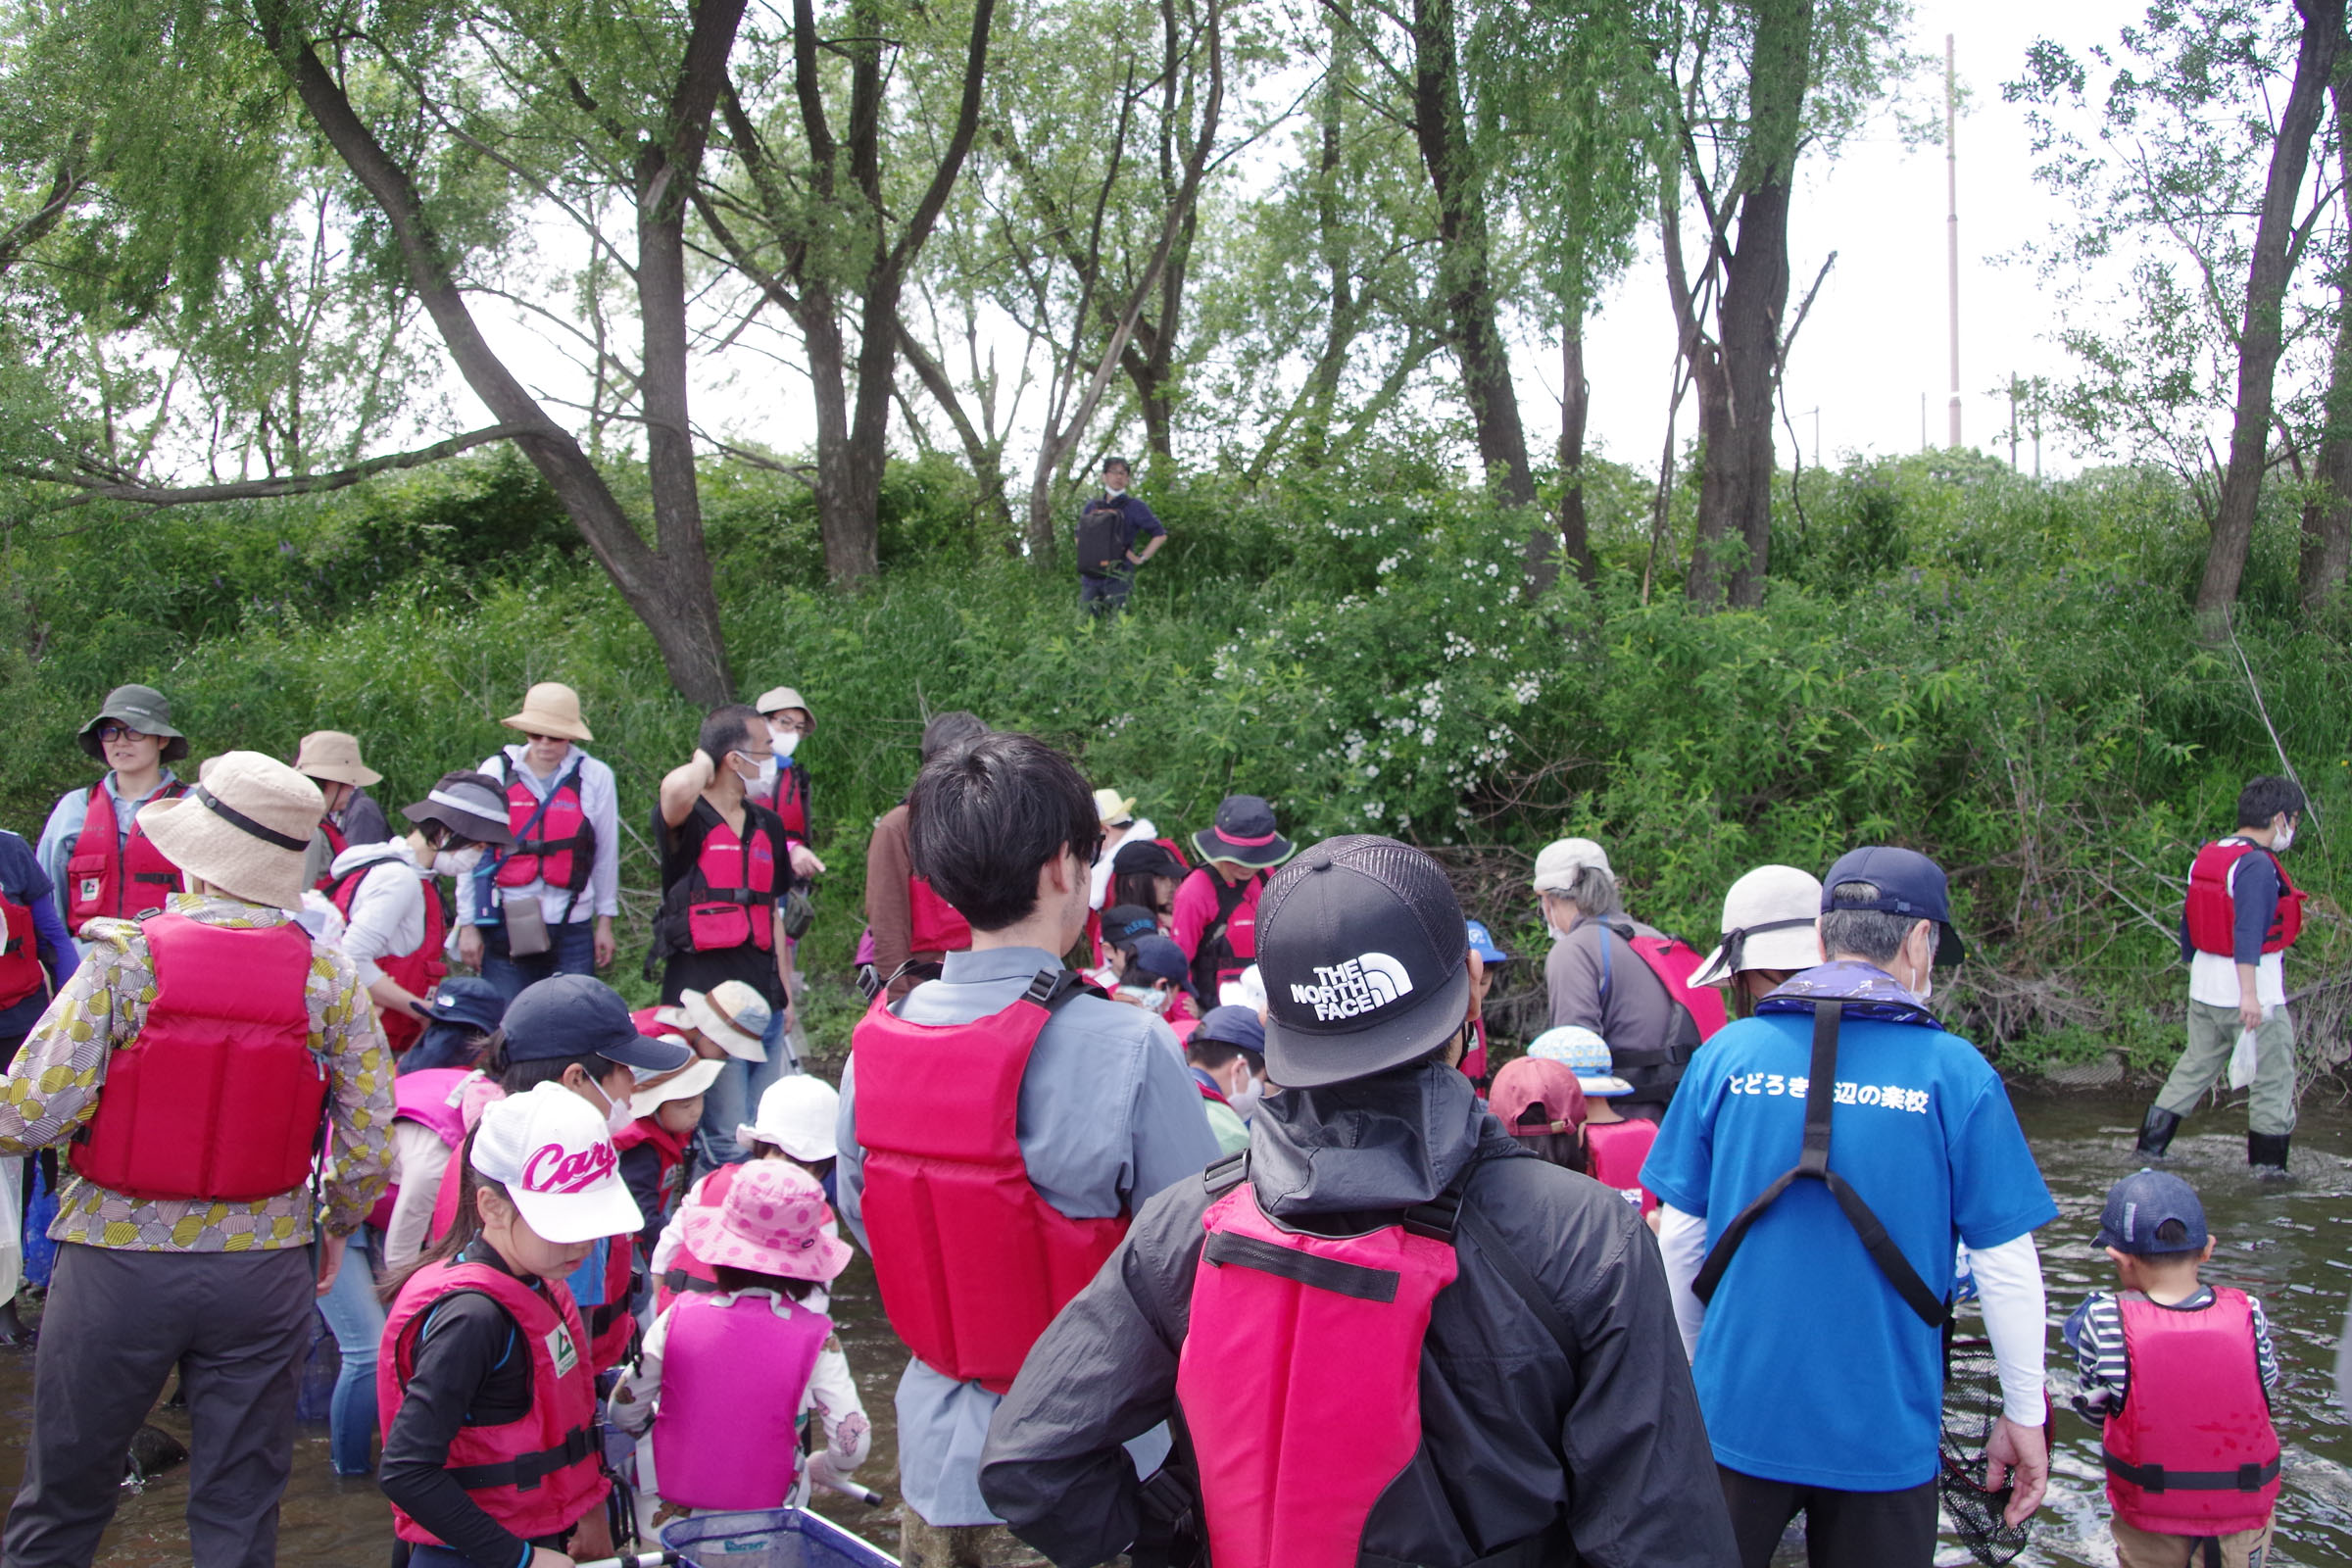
{"points": [[1358, 986]]}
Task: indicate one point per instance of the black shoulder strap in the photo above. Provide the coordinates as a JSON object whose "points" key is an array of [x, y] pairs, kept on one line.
{"points": [[1813, 1161], [1053, 987], [1496, 1249]]}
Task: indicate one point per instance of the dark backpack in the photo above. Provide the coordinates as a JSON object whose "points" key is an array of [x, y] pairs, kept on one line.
{"points": [[1100, 549]]}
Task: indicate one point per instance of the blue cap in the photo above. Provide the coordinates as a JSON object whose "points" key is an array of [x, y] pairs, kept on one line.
{"points": [[461, 999], [1481, 942], [574, 1014], [1158, 956], [1231, 1026], [2142, 1202], [1908, 883], [1122, 923]]}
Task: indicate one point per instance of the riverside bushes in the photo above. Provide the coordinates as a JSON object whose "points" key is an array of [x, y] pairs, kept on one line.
{"points": [[2001, 673]]}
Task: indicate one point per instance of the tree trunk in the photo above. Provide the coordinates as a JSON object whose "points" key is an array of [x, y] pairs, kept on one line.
{"points": [[1442, 132], [1576, 403], [672, 594], [1735, 413], [2328, 515], [2262, 338]]}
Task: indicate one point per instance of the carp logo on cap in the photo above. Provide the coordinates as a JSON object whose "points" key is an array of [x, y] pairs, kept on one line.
{"points": [[552, 1168], [1349, 990]]}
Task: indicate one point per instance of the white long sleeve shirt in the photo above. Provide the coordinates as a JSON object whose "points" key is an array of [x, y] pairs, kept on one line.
{"points": [[600, 799], [387, 912]]}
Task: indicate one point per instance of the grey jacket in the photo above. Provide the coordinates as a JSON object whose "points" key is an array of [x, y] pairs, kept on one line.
{"points": [[1598, 1442], [1625, 1004]]}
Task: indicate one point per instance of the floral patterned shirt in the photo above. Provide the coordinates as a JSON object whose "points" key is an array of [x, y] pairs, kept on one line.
{"points": [[53, 1088]]}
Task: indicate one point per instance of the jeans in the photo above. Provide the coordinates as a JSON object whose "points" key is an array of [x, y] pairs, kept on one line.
{"points": [[355, 1318], [571, 950], [733, 1099], [1104, 595]]}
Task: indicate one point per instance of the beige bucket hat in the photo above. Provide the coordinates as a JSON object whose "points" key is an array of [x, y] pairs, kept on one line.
{"points": [[731, 1015], [776, 699], [550, 708], [243, 828], [332, 754]]}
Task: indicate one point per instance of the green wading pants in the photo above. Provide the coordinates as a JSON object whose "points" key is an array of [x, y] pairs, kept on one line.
{"points": [[2212, 1035]]}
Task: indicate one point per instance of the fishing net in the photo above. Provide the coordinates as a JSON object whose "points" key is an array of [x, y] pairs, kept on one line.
{"points": [[1971, 1403]]}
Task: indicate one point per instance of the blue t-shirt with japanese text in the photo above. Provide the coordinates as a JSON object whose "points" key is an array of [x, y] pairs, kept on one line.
{"points": [[1810, 1369]]}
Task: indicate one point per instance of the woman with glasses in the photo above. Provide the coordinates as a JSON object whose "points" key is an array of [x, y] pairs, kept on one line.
{"points": [[95, 856]]}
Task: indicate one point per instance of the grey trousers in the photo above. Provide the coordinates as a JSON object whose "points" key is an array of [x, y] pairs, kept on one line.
{"points": [[115, 1325], [2212, 1035]]}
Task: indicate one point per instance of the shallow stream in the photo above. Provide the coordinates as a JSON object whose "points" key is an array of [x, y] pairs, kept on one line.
{"points": [[2290, 1244]]}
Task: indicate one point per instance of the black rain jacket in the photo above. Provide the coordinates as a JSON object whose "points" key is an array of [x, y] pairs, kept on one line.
{"points": [[1594, 1450]]}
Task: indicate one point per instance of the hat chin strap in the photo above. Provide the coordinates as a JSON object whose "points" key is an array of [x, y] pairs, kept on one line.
{"points": [[245, 825]]}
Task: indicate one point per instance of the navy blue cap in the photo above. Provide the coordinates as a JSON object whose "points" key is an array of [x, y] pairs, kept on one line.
{"points": [[574, 1014], [1481, 942], [2142, 1202], [1231, 1026], [1908, 883], [464, 999], [1122, 923], [1158, 956]]}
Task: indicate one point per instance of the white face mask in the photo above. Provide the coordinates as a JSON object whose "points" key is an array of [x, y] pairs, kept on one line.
{"points": [[1148, 998], [784, 740], [2285, 838], [616, 1111], [460, 863], [1244, 1101]]}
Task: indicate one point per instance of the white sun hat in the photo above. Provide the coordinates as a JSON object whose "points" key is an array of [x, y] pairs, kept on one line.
{"points": [[1770, 921], [731, 1015], [549, 1150], [797, 1114]]}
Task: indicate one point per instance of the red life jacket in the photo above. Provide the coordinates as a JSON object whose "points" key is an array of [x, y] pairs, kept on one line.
{"points": [[2192, 1451], [416, 970], [669, 1147], [932, 923], [554, 841], [727, 899], [1301, 1376], [1230, 942], [219, 1095], [1474, 1060], [21, 972], [611, 1325], [649, 1024], [538, 1476], [733, 1373], [1615, 1151], [687, 1271], [971, 1262], [336, 844], [1654, 1070], [429, 1098], [789, 800], [2212, 912], [112, 876]]}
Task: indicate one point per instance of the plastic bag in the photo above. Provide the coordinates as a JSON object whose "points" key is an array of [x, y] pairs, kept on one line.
{"points": [[2241, 1061], [11, 1209]]}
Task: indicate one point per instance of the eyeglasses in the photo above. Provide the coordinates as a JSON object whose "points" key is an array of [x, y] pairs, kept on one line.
{"points": [[109, 734], [535, 739], [802, 726]]}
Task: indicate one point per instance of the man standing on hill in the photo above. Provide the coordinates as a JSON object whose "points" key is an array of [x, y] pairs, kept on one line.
{"points": [[2243, 913], [1107, 531]]}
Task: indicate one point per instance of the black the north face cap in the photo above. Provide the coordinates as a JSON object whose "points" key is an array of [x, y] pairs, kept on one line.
{"points": [[1361, 944]]}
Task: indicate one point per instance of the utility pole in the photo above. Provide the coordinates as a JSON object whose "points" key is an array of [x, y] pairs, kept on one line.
{"points": [[2012, 421], [1952, 173], [1817, 435], [1923, 422]]}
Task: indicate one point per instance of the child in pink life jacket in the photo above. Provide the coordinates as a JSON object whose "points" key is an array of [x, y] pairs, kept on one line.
{"points": [[727, 1381], [795, 1124], [487, 1397], [2181, 1374], [1615, 1146]]}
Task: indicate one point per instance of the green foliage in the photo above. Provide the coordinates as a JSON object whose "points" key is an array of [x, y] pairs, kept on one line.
{"points": [[2000, 673]]}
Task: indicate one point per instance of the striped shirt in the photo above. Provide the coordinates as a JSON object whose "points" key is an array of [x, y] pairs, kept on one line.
{"points": [[2096, 1332]]}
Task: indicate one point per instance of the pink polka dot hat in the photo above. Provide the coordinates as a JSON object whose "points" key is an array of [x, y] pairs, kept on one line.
{"points": [[773, 1222]]}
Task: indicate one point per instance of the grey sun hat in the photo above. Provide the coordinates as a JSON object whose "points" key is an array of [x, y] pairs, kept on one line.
{"points": [[143, 708]]}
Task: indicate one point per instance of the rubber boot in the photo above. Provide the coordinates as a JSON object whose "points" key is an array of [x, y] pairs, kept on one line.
{"points": [[2156, 1133], [2266, 1154]]}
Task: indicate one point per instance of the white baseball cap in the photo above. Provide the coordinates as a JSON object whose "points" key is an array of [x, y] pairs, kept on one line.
{"points": [[1770, 921], [1245, 990], [732, 1015], [1556, 866], [657, 1088], [797, 1114], [549, 1150]]}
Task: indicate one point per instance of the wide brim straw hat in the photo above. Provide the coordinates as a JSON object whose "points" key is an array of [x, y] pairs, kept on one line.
{"points": [[550, 708], [243, 828], [776, 699], [655, 1089], [1771, 921], [470, 804], [143, 708], [332, 754]]}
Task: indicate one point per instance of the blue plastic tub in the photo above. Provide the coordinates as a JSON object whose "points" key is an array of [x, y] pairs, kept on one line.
{"points": [[779, 1538]]}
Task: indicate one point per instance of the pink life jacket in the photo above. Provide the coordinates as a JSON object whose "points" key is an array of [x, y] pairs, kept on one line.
{"points": [[733, 1373], [2212, 912], [669, 1148], [971, 1262], [727, 899], [1301, 1377], [429, 1098], [687, 1272], [107, 874], [1616, 1151], [1474, 1060], [554, 840], [219, 1095], [932, 923], [537, 1476], [2192, 1451]]}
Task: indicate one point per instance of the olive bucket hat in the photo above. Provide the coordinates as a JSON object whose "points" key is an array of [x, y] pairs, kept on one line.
{"points": [[143, 708]]}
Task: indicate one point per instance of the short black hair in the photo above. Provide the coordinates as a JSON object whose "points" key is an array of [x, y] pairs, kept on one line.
{"points": [[947, 731], [983, 819], [2266, 797], [1110, 464], [730, 1278], [729, 727], [521, 1077], [1215, 1053]]}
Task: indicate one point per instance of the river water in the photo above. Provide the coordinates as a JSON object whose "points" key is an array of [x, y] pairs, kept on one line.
{"points": [[2289, 1243]]}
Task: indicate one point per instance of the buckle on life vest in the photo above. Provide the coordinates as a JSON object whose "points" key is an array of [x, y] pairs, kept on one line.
{"points": [[1437, 1218], [526, 1471], [1227, 1173]]}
